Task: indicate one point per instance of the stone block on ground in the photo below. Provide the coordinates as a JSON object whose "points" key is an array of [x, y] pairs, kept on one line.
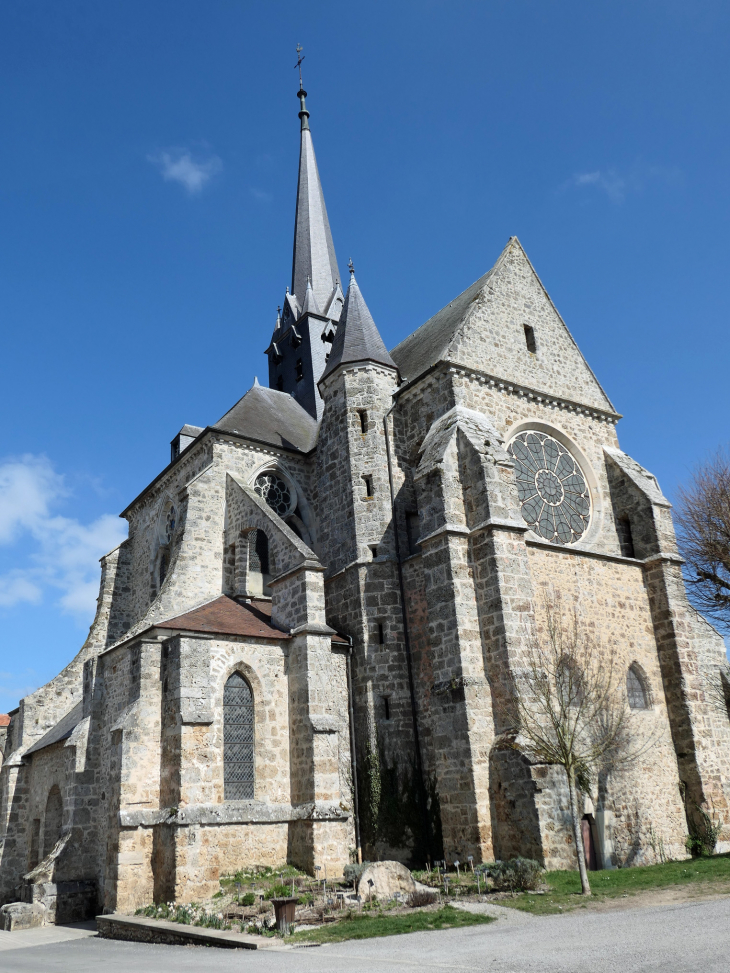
{"points": [[21, 915], [388, 878]]}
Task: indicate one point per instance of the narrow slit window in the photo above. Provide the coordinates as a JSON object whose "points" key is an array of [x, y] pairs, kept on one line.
{"points": [[300, 370], [280, 383], [363, 421], [381, 634], [368, 487], [386, 707], [530, 338], [238, 740], [625, 538], [413, 531]]}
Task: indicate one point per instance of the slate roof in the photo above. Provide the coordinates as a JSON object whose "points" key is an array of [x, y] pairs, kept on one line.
{"points": [[270, 416], [429, 343], [225, 616], [61, 731], [357, 337], [314, 251]]}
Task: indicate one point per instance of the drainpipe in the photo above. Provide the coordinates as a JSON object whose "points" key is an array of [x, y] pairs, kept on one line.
{"points": [[406, 636], [353, 755]]}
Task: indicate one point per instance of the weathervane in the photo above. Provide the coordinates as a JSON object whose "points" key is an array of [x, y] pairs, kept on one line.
{"points": [[300, 58], [351, 267]]}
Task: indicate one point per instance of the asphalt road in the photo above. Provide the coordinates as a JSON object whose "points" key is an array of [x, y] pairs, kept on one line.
{"points": [[671, 939]]}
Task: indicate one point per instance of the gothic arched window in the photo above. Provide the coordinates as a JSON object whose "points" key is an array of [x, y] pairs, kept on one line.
{"points": [[238, 738], [552, 489], [53, 820], [636, 690]]}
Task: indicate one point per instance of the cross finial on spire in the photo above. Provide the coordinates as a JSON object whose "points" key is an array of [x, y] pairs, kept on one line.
{"points": [[302, 94], [351, 268], [300, 58]]}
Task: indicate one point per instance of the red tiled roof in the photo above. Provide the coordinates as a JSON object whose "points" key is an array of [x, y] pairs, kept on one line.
{"points": [[224, 616], [4, 719]]}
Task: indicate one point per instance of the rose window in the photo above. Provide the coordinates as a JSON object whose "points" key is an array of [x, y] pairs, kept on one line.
{"points": [[553, 492], [275, 492]]}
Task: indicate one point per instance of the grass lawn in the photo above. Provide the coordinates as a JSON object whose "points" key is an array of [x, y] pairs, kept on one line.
{"points": [[564, 891], [366, 926]]}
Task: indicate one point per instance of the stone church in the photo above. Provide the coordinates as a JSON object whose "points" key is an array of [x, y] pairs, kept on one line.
{"points": [[295, 651]]}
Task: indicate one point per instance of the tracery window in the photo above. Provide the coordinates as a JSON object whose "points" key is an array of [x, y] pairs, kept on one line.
{"points": [[551, 486], [635, 690], [238, 740], [275, 492]]}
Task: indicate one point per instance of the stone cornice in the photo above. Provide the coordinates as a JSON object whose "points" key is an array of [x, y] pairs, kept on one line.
{"points": [[232, 812], [508, 387]]}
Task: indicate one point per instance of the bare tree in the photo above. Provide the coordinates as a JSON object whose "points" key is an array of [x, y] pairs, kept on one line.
{"points": [[703, 517], [571, 709]]}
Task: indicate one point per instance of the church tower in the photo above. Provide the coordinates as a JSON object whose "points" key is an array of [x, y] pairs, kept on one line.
{"points": [[305, 329]]}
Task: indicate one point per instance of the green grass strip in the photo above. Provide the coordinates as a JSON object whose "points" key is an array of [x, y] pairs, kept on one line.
{"points": [[369, 926], [564, 893]]}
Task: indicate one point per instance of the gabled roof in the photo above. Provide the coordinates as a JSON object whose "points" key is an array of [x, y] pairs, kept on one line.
{"points": [[357, 337], [429, 343], [310, 305], [485, 328], [225, 616], [4, 719], [270, 416], [61, 731]]}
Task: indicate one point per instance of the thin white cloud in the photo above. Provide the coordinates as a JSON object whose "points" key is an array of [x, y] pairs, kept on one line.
{"points": [[62, 554], [261, 195], [178, 165], [617, 186], [16, 685]]}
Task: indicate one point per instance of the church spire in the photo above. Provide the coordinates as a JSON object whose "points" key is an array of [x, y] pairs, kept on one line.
{"points": [[314, 252]]}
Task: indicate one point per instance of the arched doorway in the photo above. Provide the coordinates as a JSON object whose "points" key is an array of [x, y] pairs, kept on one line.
{"points": [[589, 846]]}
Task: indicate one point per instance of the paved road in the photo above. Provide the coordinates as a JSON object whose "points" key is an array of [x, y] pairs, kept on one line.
{"points": [[690, 937]]}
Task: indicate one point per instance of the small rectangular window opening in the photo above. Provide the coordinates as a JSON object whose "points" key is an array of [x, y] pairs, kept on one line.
{"points": [[300, 370], [280, 383], [363, 420], [381, 634], [386, 706], [530, 339], [625, 538], [368, 487], [374, 550], [413, 531]]}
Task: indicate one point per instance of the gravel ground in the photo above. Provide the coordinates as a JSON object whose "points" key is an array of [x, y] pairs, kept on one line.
{"points": [[677, 938]]}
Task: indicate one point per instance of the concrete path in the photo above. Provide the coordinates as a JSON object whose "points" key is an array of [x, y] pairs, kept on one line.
{"points": [[682, 938], [46, 935]]}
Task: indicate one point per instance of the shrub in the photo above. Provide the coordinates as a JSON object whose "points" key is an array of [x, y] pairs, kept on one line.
{"points": [[517, 874], [248, 899], [421, 897], [352, 873]]}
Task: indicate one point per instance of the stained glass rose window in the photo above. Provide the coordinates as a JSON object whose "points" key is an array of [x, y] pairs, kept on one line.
{"points": [[275, 492], [553, 492]]}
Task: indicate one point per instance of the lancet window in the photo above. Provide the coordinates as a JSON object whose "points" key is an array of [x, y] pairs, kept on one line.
{"points": [[238, 740]]}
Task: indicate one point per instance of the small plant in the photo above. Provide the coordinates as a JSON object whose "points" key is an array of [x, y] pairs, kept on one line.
{"points": [[248, 899], [516, 875]]}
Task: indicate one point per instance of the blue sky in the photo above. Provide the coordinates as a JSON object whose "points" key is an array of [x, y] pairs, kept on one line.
{"points": [[147, 180]]}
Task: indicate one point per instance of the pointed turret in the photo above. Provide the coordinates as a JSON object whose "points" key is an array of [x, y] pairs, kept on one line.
{"points": [[357, 338], [314, 252], [310, 301]]}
